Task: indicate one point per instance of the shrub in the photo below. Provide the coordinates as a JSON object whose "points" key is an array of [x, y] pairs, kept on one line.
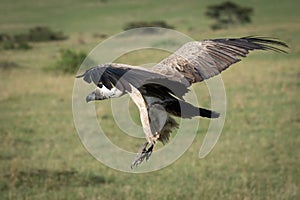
{"points": [[228, 14], [37, 34], [20, 38], [4, 37], [8, 44], [6, 41], [142, 24], [69, 61], [42, 33]]}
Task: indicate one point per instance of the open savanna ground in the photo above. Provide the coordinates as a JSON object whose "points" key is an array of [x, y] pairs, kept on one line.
{"points": [[42, 157]]}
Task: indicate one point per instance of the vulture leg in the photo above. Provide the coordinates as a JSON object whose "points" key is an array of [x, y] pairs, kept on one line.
{"points": [[143, 154]]}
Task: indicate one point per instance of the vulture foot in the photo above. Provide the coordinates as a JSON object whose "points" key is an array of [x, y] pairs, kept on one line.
{"points": [[143, 154]]}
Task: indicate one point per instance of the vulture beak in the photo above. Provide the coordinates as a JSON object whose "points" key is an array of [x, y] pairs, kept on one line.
{"points": [[91, 96], [97, 94]]}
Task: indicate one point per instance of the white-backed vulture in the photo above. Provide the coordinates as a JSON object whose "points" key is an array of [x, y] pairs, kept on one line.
{"points": [[158, 93]]}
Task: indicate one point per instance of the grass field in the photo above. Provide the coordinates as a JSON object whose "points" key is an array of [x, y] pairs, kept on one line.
{"points": [[41, 156]]}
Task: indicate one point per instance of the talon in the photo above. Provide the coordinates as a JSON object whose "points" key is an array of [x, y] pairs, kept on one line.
{"points": [[149, 152], [143, 154]]}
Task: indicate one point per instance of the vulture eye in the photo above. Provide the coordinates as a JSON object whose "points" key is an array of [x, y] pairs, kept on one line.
{"points": [[100, 85]]}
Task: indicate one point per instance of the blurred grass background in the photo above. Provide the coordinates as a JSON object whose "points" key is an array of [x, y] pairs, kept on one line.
{"points": [[41, 156]]}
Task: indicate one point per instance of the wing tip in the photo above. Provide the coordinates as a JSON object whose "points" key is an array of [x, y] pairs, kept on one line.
{"points": [[256, 42], [268, 43]]}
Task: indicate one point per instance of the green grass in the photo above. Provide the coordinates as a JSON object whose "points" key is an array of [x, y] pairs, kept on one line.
{"points": [[41, 156]]}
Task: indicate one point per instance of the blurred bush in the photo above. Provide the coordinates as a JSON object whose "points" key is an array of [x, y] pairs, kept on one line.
{"points": [[43, 33], [8, 42], [36, 34], [228, 14], [69, 61], [142, 24], [40, 34]]}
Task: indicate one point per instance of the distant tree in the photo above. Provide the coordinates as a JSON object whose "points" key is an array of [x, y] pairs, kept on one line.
{"points": [[228, 14]]}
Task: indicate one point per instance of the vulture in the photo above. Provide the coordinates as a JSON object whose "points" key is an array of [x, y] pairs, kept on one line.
{"points": [[159, 93]]}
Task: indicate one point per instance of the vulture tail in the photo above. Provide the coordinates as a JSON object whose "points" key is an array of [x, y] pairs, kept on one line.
{"points": [[208, 113], [183, 109]]}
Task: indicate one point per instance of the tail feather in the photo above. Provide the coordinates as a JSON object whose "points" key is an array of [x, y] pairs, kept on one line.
{"points": [[208, 113], [183, 109]]}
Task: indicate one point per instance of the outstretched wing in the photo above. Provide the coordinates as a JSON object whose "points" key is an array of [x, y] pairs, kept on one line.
{"points": [[197, 61], [118, 75], [124, 77]]}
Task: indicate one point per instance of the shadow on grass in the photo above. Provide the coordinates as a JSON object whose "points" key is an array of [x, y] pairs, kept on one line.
{"points": [[49, 180]]}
